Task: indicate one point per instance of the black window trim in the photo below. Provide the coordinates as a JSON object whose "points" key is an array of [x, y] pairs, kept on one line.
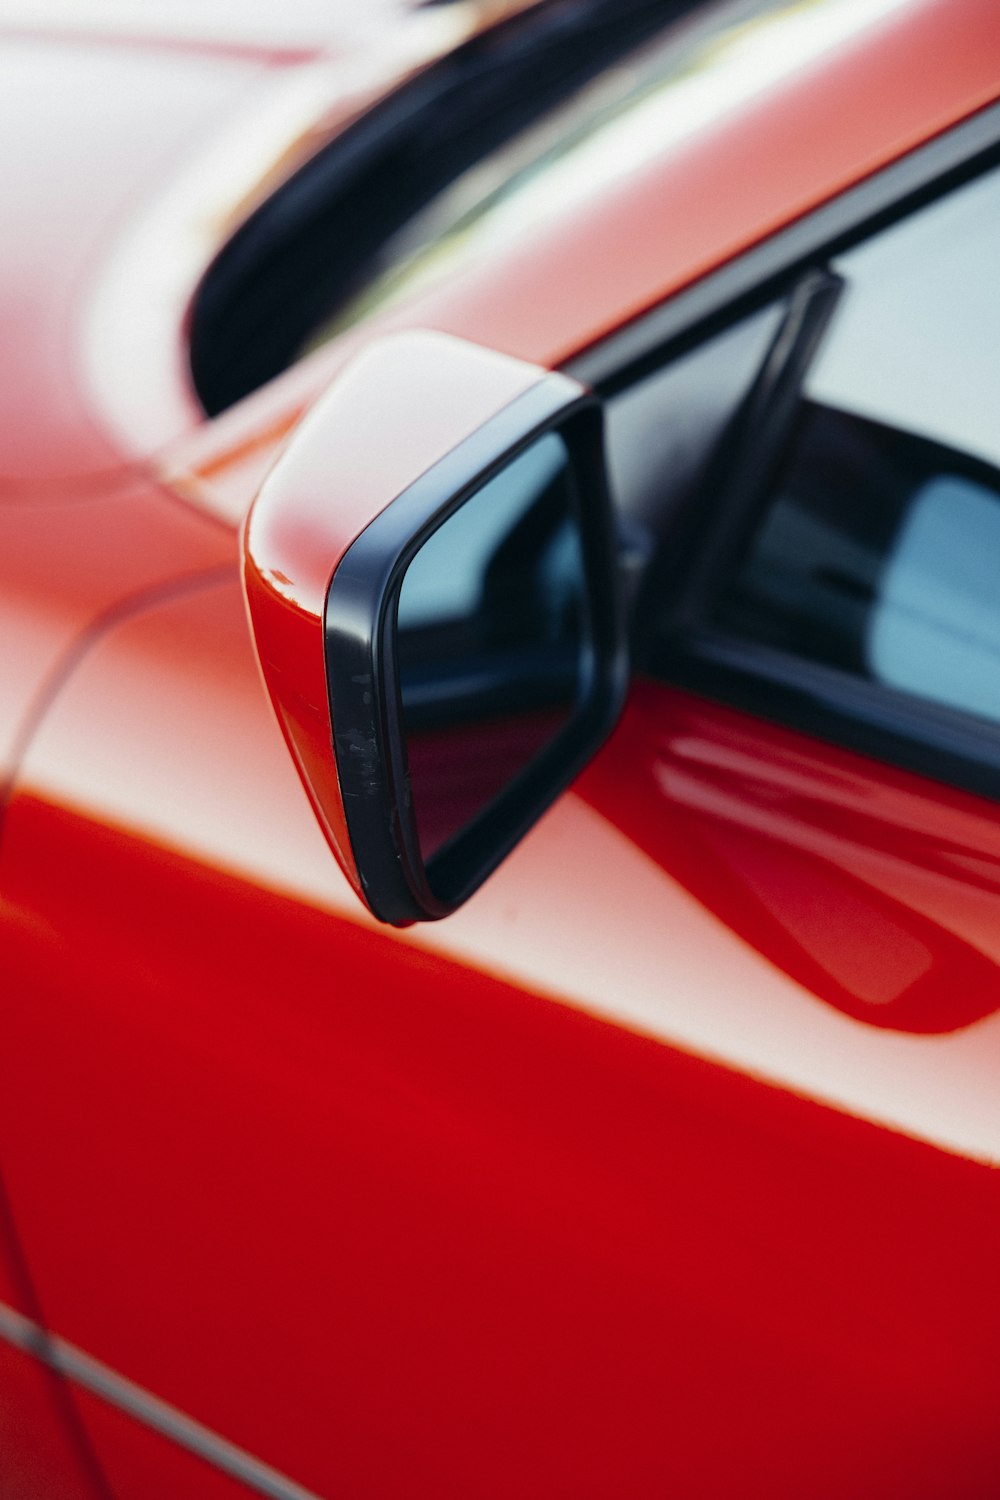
{"points": [[907, 731], [764, 273]]}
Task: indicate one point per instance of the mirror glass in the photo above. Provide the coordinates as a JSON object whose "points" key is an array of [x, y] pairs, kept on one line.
{"points": [[493, 640]]}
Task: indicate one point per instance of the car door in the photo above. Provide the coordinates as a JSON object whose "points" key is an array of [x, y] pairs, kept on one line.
{"points": [[43, 1448], [666, 1162]]}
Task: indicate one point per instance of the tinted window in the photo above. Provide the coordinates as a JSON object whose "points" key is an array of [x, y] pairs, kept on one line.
{"points": [[878, 551]]}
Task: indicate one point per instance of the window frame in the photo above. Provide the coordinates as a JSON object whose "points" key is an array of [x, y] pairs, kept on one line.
{"points": [[789, 268]]}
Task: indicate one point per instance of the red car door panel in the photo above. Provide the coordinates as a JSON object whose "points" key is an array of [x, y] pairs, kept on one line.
{"points": [[39, 1447], [43, 1450], [137, 1459], [874, 889], [58, 590], [402, 1207], [668, 1163]]}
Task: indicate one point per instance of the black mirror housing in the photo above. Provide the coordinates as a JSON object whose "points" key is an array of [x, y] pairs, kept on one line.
{"points": [[475, 651]]}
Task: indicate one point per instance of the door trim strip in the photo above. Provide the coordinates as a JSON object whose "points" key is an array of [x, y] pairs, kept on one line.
{"points": [[117, 1391]]}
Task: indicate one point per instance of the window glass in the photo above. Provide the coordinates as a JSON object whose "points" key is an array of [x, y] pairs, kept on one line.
{"points": [[916, 340], [879, 548]]}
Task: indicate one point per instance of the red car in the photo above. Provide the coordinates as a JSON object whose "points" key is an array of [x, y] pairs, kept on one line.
{"points": [[536, 468]]}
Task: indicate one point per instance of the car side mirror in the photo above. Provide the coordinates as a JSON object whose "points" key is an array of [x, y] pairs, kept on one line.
{"points": [[431, 578]]}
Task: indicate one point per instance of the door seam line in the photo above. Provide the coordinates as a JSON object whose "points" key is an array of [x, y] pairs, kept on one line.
{"points": [[117, 1390]]}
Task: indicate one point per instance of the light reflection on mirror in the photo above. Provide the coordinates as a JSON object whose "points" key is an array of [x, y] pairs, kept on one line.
{"points": [[493, 642]]}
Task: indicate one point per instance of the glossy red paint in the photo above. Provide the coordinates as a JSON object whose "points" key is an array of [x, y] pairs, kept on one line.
{"points": [[617, 241], [544, 291], [82, 527], [137, 1461], [42, 1451], [134, 335], [68, 570], [38, 1454], [623, 1180], [514, 1228], [357, 451], [874, 890], [94, 133]]}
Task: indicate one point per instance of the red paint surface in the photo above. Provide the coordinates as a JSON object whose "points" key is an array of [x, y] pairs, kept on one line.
{"points": [[38, 1455], [91, 135], [79, 527], [581, 268], [42, 1450], [619, 1182], [139, 1462], [65, 570], [870, 887], [409, 1212]]}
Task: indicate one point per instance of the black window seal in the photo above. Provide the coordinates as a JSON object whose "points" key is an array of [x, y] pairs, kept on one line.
{"points": [[913, 733]]}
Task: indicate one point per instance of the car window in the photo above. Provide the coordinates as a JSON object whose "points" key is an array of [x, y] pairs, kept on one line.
{"points": [[879, 548]]}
